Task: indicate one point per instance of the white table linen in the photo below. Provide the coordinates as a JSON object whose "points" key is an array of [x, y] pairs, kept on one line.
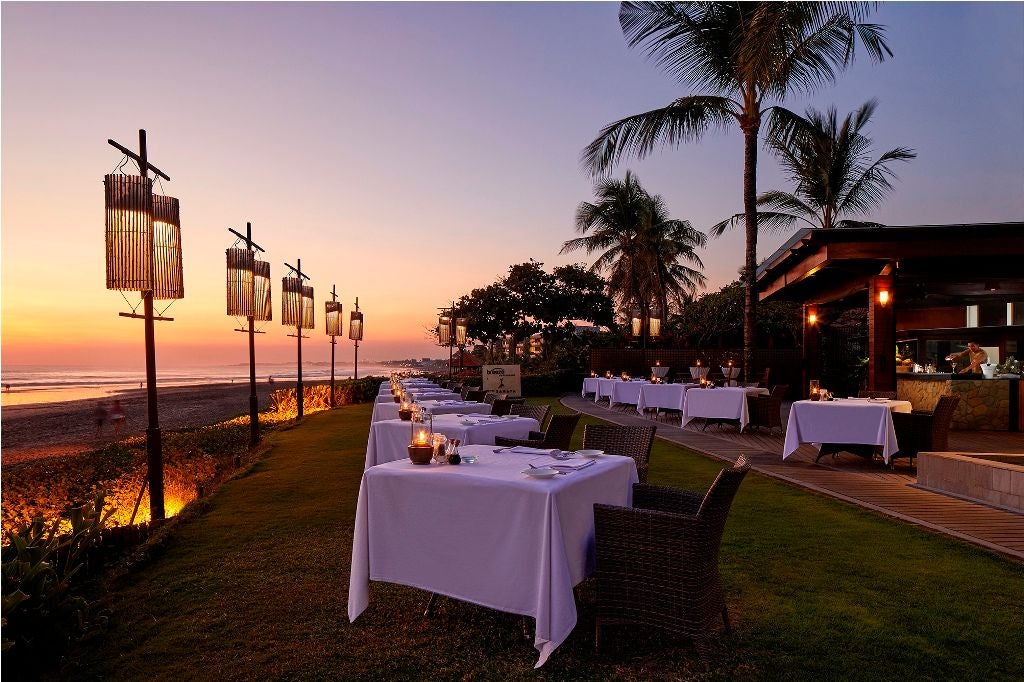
{"points": [[589, 385], [662, 396], [731, 375], [432, 527], [604, 387], [436, 407], [418, 397], [389, 440], [626, 392], [868, 422], [724, 402]]}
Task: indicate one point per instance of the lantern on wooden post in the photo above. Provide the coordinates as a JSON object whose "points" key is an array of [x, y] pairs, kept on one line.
{"points": [[654, 322], [143, 253], [248, 296], [355, 333], [446, 332], [297, 311], [636, 321], [461, 330], [333, 327]]}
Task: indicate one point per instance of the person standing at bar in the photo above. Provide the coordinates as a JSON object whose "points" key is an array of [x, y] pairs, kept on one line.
{"points": [[974, 357]]}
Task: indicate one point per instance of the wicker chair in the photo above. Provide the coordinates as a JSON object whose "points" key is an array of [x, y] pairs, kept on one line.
{"points": [[473, 395], [630, 441], [657, 562], [885, 395], [927, 431], [766, 410], [463, 390], [491, 396], [503, 406], [538, 412], [558, 435]]}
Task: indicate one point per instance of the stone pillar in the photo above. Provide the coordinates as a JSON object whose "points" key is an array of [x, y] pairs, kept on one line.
{"points": [[811, 347], [881, 334]]}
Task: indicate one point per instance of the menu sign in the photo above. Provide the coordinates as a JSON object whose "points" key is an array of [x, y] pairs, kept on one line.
{"points": [[503, 379]]}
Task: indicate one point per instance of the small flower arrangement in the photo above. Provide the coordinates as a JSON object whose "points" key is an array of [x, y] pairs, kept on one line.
{"points": [[1009, 366]]}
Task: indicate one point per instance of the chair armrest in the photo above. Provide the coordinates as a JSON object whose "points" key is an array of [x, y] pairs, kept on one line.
{"points": [[512, 442], [536, 435], [661, 498]]}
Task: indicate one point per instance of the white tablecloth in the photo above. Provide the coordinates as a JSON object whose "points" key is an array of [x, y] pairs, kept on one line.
{"points": [[389, 440], [663, 396], [868, 422], [731, 374], [437, 394], [436, 407], [486, 534], [626, 392], [724, 402], [589, 385], [386, 398], [604, 387]]}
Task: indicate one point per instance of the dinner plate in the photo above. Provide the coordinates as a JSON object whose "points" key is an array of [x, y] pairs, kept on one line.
{"points": [[590, 453], [540, 472]]}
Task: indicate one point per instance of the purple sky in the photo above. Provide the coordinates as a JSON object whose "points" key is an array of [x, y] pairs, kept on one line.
{"points": [[410, 152]]}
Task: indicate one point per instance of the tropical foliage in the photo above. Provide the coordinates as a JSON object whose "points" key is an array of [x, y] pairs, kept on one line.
{"points": [[737, 58], [715, 319], [829, 163], [648, 256]]}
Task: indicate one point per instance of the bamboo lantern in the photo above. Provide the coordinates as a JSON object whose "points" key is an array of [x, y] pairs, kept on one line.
{"points": [[355, 326], [461, 325], [333, 321], [291, 301], [444, 330], [262, 309], [637, 322], [168, 282], [129, 232], [654, 322], [241, 282], [308, 314]]}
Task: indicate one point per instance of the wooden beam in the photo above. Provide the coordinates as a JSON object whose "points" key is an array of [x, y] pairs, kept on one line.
{"points": [[803, 269]]}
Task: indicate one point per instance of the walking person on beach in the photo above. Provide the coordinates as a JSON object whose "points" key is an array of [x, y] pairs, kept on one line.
{"points": [[100, 415], [117, 417]]}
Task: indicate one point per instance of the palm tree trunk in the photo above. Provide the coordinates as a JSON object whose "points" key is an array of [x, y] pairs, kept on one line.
{"points": [[750, 264]]}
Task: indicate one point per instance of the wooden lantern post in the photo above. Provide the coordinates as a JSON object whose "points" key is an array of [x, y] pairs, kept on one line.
{"points": [[296, 309], [355, 333], [333, 328], [252, 302]]}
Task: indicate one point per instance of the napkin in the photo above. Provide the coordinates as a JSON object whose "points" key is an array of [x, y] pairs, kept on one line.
{"points": [[523, 450], [574, 465]]}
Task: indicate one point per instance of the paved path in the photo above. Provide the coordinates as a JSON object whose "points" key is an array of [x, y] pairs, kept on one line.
{"points": [[853, 479]]}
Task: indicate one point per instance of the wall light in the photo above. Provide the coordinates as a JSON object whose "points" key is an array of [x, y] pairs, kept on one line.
{"points": [[883, 297]]}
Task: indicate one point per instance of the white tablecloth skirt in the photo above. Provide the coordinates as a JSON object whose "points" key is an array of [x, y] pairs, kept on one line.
{"points": [[435, 395], [626, 392], [589, 386], [844, 421], [485, 534], [604, 387], [389, 440], [719, 403], [662, 396]]}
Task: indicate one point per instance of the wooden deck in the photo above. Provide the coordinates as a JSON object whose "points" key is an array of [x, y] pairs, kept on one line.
{"points": [[871, 485]]}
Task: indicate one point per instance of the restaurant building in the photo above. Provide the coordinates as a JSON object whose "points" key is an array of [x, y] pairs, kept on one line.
{"points": [[928, 290]]}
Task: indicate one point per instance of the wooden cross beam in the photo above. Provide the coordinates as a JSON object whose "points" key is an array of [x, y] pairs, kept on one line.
{"points": [[297, 269], [141, 158], [247, 238]]}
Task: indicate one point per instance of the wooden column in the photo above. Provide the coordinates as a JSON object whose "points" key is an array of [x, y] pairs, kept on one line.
{"points": [[881, 334], [811, 347]]}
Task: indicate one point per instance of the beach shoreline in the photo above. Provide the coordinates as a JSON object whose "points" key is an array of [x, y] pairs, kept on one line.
{"points": [[38, 431]]}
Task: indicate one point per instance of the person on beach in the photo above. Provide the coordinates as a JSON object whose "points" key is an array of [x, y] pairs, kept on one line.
{"points": [[100, 416], [117, 417]]}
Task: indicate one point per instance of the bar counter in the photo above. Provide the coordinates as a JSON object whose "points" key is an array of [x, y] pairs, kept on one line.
{"points": [[985, 404]]}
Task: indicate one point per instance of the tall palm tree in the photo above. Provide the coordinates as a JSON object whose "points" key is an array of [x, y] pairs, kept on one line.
{"points": [[648, 255], [830, 164], [737, 57]]}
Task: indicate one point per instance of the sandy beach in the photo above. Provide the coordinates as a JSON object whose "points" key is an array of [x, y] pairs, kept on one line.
{"points": [[32, 432]]}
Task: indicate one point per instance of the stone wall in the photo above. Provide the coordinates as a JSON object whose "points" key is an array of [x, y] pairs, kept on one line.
{"points": [[999, 483], [984, 404]]}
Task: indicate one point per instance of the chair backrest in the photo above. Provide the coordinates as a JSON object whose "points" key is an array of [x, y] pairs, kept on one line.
{"points": [[560, 430], [630, 441], [887, 395], [538, 412], [474, 395], [763, 382], [942, 417], [491, 396], [503, 406], [777, 394], [714, 509]]}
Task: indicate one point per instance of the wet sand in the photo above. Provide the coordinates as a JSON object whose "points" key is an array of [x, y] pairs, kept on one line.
{"points": [[32, 432]]}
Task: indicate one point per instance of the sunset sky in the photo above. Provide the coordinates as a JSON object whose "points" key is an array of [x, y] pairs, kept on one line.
{"points": [[410, 152]]}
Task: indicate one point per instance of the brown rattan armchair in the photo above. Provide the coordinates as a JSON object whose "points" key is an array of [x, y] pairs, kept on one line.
{"points": [[558, 435], [491, 396], [657, 562], [502, 406], [766, 410], [882, 395], [629, 441], [924, 431], [538, 412], [473, 395]]}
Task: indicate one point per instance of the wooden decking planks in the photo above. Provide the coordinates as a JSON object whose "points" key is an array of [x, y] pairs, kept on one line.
{"points": [[892, 492]]}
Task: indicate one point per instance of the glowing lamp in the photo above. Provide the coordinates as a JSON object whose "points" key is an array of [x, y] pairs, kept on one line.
{"points": [[812, 318], [168, 282], [461, 327], [355, 326], [883, 297], [654, 322], [333, 325], [444, 330], [637, 323], [241, 282], [263, 310], [296, 303]]}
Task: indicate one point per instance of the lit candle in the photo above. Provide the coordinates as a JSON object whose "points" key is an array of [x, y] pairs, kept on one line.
{"points": [[657, 363], [698, 363], [730, 363], [421, 437]]}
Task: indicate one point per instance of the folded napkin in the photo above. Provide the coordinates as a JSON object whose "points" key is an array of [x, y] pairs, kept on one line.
{"points": [[523, 450], [574, 465]]}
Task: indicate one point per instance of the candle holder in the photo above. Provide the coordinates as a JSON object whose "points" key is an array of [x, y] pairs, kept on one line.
{"points": [[421, 454], [814, 392], [405, 412]]}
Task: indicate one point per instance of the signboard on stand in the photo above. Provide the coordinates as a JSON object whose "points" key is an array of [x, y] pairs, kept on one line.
{"points": [[502, 379]]}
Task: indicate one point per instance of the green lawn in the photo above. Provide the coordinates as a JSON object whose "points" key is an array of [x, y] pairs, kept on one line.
{"points": [[257, 586]]}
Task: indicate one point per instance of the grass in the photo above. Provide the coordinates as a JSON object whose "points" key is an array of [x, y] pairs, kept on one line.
{"points": [[257, 586]]}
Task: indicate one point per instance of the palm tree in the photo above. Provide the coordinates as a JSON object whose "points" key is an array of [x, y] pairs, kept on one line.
{"points": [[830, 165], [736, 56], [648, 255]]}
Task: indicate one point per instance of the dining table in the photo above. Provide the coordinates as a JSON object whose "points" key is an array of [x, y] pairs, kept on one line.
{"points": [[662, 396], [863, 421], [605, 386], [487, 533], [383, 411], [625, 393], [719, 403], [590, 386], [390, 439]]}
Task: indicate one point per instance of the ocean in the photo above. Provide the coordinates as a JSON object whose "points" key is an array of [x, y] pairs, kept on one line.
{"points": [[29, 384]]}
